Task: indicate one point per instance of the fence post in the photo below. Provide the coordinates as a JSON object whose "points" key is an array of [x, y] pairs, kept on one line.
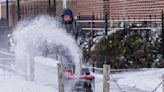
{"points": [[60, 77], [106, 78], [163, 83]]}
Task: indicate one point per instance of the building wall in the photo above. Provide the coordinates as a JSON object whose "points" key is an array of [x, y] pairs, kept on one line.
{"points": [[121, 8], [114, 8], [72, 4], [31, 7], [89, 7], [117, 8], [136, 8], [12, 10], [59, 7]]}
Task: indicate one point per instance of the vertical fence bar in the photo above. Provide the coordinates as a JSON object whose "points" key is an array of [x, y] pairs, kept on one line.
{"points": [[29, 11], [150, 20], [49, 6], [34, 10], [118, 21], [7, 13], [54, 8], [38, 9], [106, 34], [78, 16], [18, 10], [92, 34], [92, 26], [31, 8], [113, 23], [128, 31], [106, 25], [124, 26], [155, 20], [129, 19], [162, 35], [22, 12]]}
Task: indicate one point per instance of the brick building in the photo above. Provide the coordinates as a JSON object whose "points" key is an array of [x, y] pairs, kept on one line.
{"points": [[114, 8], [121, 8], [96, 7], [33, 8]]}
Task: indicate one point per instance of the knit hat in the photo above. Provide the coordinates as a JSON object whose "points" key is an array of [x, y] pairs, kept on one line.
{"points": [[67, 11]]}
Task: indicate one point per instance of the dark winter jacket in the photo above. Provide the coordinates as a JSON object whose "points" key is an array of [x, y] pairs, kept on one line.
{"points": [[75, 30]]}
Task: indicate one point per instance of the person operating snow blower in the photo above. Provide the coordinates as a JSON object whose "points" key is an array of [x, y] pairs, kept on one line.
{"points": [[86, 82], [72, 26]]}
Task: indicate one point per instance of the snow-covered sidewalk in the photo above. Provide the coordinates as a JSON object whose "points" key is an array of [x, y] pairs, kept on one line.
{"points": [[138, 81], [10, 82], [141, 81]]}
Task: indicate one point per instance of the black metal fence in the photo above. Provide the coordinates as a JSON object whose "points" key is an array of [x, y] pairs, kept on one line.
{"points": [[27, 9], [87, 20]]}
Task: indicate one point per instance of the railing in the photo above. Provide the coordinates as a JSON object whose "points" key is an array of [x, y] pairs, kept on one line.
{"points": [[90, 23]]}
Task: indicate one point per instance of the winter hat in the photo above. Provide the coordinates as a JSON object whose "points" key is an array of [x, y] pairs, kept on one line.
{"points": [[67, 11]]}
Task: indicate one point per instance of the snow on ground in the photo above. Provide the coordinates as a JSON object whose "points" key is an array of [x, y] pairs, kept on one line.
{"points": [[136, 81], [14, 83], [140, 81], [45, 78], [145, 80]]}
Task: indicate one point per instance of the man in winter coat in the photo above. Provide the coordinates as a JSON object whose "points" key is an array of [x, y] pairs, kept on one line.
{"points": [[72, 26]]}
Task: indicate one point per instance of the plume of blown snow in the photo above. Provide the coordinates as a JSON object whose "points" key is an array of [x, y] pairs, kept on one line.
{"points": [[43, 33]]}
